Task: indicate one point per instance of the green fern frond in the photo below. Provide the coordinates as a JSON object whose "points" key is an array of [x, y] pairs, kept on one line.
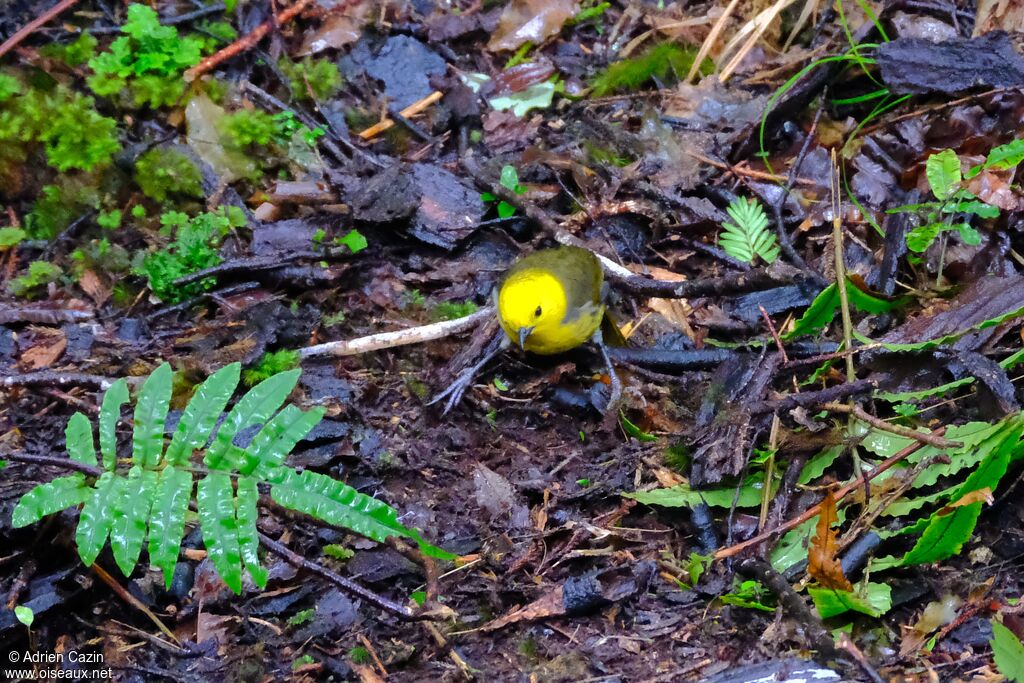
{"points": [[749, 237], [153, 496]]}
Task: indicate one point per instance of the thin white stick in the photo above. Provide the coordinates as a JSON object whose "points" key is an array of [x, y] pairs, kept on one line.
{"points": [[568, 239], [388, 340]]}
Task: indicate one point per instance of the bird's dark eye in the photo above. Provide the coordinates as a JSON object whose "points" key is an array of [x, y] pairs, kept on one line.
{"points": [[538, 312]]}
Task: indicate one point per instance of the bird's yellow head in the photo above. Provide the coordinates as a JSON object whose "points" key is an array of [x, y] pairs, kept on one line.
{"points": [[531, 308]]}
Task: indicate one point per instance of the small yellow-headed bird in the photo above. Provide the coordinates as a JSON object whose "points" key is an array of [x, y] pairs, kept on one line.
{"points": [[548, 302]]}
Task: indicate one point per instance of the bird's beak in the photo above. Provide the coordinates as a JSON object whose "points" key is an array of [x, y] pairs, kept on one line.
{"points": [[524, 332]]}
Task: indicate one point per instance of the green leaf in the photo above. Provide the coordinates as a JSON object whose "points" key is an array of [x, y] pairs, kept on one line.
{"points": [[535, 96], [505, 210], [823, 309], [339, 504], [817, 465], [946, 534], [202, 412], [78, 438], [792, 547], [943, 172], [248, 537], [11, 237], [748, 238], [509, 178], [978, 208], [131, 512], [1001, 157], [907, 506], [110, 412], [46, 499], [683, 496], [354, 240], [749, 595], [921, 237], [220, 528], [278, 437], [25, 615], [171, 496], [258, 404], [818, 315], [634, 431], [968, 235], [869, 303], [150, 415], [1008, 651], [873, 599], [97, 516]]}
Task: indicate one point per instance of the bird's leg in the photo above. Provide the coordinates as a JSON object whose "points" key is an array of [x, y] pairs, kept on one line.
{"points": [[457, 388], [616, 389]]}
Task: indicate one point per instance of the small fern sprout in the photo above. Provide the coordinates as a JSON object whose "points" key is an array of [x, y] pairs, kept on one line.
{"points": [[749, 237], [156, 491]]}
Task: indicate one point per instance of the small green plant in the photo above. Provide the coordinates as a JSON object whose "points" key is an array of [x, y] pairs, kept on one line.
{"points": [[359, 655], [146, 62], [110, 220], [952, 199], [450, 310], [11, 237], [270, 364], [249, 127], [339, 552], [64, 123], [353, 240], [749, 237], [304, 660], [100, 256], [332, 319], [510, 181], [40, 274], [311, 78], [254, 132], [77, 52], [656, 63], [588, 13], [750, 594], [59, 204], [194, 248], [301, 617], [414, 299], [157, 488], [288, 125], [161, 173]]}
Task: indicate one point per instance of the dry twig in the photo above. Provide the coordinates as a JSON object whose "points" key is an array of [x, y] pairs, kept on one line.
{"points": [[410, 111], [244, 43], [388, 340]]}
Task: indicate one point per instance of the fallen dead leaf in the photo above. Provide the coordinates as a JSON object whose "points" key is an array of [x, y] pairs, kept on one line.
{"points": [[980, 496], [530, 20], [92, 285], [822, 563], [45, 353]]}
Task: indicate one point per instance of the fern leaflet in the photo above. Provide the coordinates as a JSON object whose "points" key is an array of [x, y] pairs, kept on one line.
{"points": [[748, 238]]}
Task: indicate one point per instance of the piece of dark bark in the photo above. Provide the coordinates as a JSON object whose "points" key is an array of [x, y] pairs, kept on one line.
{"points": [[919, 66]]}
